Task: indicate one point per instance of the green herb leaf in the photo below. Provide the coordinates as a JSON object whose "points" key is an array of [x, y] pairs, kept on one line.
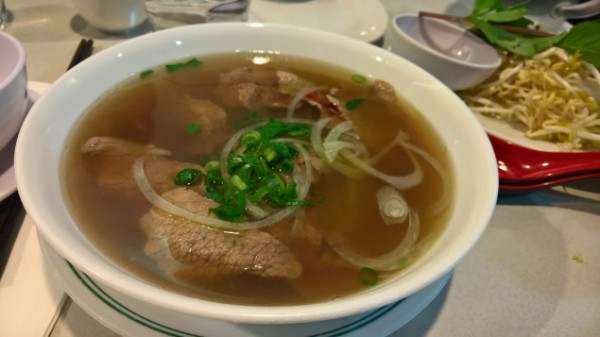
{"points": [[353, 104], [585, 39], [146, 73], [368, 276], [193, 129], [521, 45], [188, 177], [504, 16], [359, 78], [192, 63], [482, 7]]}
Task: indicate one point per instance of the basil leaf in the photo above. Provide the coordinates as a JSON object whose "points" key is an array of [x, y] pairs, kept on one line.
{"points": [[583, 38], [505, 16], [484, 6], [520, 45]]}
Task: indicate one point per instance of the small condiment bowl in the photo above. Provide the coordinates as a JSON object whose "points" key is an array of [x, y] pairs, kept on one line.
{"points": [[451, 53], [13, 87]]}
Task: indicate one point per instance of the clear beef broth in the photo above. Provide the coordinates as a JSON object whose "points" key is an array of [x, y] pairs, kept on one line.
{"points": [[146, 111]]}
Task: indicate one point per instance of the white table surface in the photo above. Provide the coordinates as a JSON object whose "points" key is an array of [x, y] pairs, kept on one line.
{"points": [[535, 271]]}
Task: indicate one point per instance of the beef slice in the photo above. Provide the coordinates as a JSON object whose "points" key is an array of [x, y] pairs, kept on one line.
{"points": [[178, 243]]}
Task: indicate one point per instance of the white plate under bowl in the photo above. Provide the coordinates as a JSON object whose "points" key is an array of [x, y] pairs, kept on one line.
{"points": [[8, 183], [364, 20], [103, 306]]}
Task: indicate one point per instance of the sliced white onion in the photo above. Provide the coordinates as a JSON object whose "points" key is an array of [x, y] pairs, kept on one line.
{"points": [[399, 182], [316, 140], [444, 200], [333, 148], [338, 131], [256, 211], [390, 261], [159, 202], [393, 208], [300, 96]]}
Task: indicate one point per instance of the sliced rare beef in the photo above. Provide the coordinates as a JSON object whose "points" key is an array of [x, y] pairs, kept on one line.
{"points": [[114, 159], [176, 243]]}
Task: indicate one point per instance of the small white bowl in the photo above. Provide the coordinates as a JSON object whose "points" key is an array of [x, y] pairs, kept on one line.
{"points": [[46, 130], [455, 56], [112, 16], [13, 87]]}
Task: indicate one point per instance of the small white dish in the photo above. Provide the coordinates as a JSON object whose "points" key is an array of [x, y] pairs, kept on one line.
{"points": [[451, 53], [8, 182], [99, 303], [362, 20]]}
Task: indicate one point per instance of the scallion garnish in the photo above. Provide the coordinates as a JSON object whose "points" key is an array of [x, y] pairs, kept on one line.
{"points": [[192, 63], [238, 183], [146, 73], [188, 177], [359, 78], [368, 276], [250, 137], [193, 129], [261, 169], [353, 104]]}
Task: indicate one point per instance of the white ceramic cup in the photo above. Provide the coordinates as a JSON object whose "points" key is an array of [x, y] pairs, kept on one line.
{"points": [[112, 16], [13, 87], [456, 57]]}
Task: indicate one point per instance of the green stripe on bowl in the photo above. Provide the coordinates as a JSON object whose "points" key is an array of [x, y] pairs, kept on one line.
{"points": [[95, 289]]}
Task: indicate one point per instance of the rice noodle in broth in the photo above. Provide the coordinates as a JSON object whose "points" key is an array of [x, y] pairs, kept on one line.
{"points": [[269, 184], [553, 96]]}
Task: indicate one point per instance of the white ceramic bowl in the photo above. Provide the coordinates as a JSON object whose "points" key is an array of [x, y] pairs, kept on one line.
{"points": [[452, 54], [112, 16], [45, 131], [13, 87]]}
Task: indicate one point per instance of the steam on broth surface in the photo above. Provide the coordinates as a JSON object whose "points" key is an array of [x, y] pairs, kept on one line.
{"points": [[257, 179]]}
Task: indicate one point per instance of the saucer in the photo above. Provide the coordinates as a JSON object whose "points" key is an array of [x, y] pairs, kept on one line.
{"points": [[360, 19], [8, 183], [117, 316]]}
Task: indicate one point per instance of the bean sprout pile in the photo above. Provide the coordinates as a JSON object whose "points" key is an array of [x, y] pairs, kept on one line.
{"points": [[554, 96]]}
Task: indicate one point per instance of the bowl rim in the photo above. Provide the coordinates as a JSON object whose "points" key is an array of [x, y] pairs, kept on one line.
{"points": [[123, 282], [18, 67], [455, 28]]}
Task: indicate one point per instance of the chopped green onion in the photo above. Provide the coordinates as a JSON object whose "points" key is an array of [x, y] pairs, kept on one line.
{"points": [[234, 161], [146, 73], [359, 78], [215, 183], [229, 213], [269, 154], [212, 165], [249, 137], [192, 63], [353, 104], [193, 128], [286, 166], [260, 193], [368, 276], [276, 128], [238, 183], [188, 177]]}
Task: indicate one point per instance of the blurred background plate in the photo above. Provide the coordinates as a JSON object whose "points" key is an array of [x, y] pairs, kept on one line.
{"points": [[360, 19]]}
